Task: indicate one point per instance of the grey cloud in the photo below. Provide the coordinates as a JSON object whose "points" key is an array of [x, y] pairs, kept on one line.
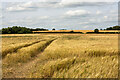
{"points": [[78, 4], [28, 6]]}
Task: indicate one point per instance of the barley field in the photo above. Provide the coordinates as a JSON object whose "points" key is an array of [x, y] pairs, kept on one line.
{"points": [[60, 56], [83, 31]]}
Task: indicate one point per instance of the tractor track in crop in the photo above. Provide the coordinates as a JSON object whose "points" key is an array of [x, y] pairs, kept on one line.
{"points": [[20, 47], [25, 68]]}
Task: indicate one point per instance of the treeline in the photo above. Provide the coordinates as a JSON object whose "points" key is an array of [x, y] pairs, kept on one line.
{"points": [[24, 30], [96, 31], [112, 28], [19, 30]]}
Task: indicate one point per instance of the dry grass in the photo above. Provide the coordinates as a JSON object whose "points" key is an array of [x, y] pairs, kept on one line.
{"points": [[25, 54], [11, 44], [70, 56], [15, 47], [79, 57]]}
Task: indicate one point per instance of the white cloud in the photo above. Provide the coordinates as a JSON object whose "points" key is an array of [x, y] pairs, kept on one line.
{"points": [[44, 17], [1, 16], [21, 21], [63, 13], [77, 3], [53, 21], [31, 5], [22, 7], [29, 20], [114, 11], [92, 20], [86, 26], [81, 23], [27, 6], [88, 1], [15, 8], [58, 0], [95, 20], [76, 13], [98, 12], [105, 17]]}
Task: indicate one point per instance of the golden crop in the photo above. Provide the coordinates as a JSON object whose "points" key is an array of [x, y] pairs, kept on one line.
{"points": [[68, 56]]}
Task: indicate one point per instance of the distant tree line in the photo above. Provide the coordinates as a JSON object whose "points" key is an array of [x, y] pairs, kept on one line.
{"points": [[109, 28], [19, 30], [39, 29], [24, 30], [96, 31], [112, 28]]}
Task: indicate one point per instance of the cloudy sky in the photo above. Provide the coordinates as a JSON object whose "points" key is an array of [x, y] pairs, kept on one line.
{"points": [[60, 14]]}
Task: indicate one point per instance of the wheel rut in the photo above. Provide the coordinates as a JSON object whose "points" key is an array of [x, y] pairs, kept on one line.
{"points": [[24, 68], [16, 49]]}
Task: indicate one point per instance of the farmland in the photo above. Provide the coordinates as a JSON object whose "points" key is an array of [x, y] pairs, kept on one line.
{"points": [[83, 31], [60, 55]]}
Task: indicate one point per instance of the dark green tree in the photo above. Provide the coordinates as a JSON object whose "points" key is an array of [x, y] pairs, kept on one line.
{"points": [[96, 30], [16, 30], [19, 30], [113, 28], [53, 29], [72, 31]]}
